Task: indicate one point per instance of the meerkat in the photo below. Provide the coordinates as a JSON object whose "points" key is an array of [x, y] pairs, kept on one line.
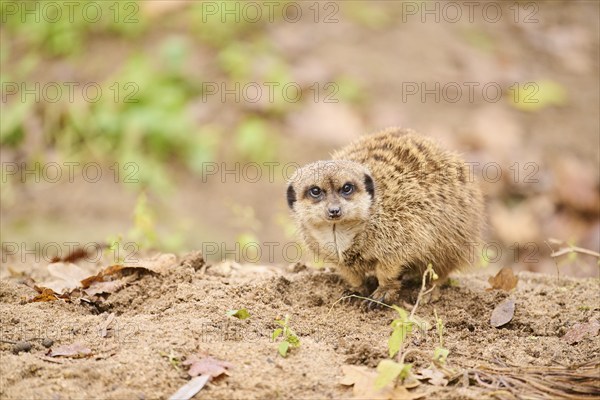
{"points": [[388, 204]]}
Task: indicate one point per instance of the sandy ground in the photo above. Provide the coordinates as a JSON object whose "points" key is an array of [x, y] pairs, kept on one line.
{"points": [[163, 319]]}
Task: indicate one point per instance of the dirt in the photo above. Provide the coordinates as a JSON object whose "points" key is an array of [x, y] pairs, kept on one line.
{"points": [[182, 313]]}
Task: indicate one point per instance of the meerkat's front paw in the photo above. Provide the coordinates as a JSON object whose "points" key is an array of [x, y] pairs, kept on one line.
{"points": [[385, 295], [368, 286]]}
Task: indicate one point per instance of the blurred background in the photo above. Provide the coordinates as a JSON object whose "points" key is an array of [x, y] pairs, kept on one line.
{"points": [[174, 124]]}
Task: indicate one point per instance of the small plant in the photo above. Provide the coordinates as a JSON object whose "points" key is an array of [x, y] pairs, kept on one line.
{"points": [[114, 245], [390, 370], [239, 314], [440, 353], [289, 338], [172, 358]]}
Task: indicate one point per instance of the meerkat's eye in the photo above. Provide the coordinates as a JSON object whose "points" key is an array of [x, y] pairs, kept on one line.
{"points": [[315, 191], [347, 188]]}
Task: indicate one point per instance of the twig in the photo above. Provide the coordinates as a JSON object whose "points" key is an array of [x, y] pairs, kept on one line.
{"points": [[357, 297], [553, 259], [574, 249], [422, 292]]}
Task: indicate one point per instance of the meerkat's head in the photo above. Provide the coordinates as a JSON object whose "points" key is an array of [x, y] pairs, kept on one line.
{"points": [[331, 192]]}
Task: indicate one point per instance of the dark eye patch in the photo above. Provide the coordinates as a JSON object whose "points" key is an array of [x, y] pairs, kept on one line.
{"points": [[369, 185], [291, 196]]}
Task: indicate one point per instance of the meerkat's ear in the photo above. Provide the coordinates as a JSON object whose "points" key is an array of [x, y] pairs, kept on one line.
{"points": [[291, 196], [369, 185]]}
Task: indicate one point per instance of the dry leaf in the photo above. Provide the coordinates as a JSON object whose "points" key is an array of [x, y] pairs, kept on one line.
{"points": [[581, 330], [46, 294], [76, 255], [505, 279], [99, 277], [503, 313], [190, 389], [363, 379], [434, 377], [207, 366], [104, 287], [158, 264], [68, 276], [75, 350]]}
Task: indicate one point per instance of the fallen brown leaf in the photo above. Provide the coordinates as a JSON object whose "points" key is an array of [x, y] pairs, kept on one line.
{"points": [[503, 313], [99, 277], [363, 381], [75, 350], [67, 276], [207, 366], [76, 255], [580, 330], [104, 287], [158, 264], [505, 279], [434, 377], [45, 294]]}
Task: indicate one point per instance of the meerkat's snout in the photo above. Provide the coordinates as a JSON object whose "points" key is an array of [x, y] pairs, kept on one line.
{"points": [[334, 212]]}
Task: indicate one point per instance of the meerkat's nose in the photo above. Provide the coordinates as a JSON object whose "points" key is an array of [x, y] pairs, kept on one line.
{"points": [[334, 212]]}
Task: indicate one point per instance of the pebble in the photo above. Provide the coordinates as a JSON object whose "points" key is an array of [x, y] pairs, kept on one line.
{"points": [[21, 346]]}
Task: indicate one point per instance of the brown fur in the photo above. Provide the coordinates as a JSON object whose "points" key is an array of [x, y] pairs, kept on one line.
{"points": [[425, 209]]}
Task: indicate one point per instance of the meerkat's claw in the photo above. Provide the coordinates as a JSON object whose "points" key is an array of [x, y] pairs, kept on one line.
{"points": [[380, 296], [368, 305], [348, 296]]}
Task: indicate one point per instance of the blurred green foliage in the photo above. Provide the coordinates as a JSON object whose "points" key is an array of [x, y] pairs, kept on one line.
{"points": [[145, 113], [64, 28]]}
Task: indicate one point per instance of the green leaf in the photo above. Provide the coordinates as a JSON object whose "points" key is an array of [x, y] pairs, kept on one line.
{"points": [[239, 314], [420, 323], [405, 371], [283, 348], [401, 329], [401, 312], [388, 370], [440, 354], [276, 333], [280, 322], [395, 342], [293, 340]]}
